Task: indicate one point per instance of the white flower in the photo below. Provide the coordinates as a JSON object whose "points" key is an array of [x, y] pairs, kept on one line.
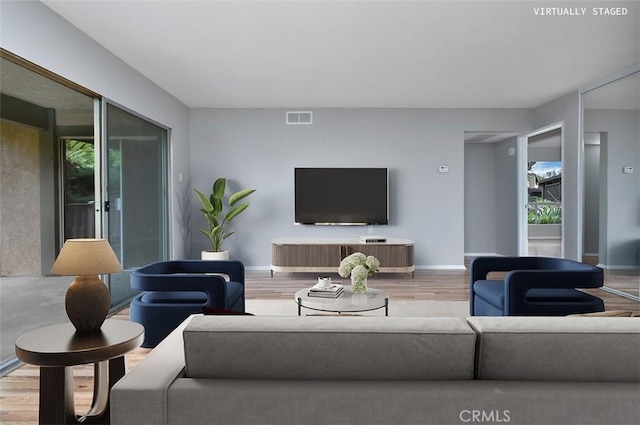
{"points": [[372, 264], [365, 265], [345, 268], [357, 258], [359, 273]]}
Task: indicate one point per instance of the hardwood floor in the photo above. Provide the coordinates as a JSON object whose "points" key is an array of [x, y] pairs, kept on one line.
{"points": [[19, 389]]}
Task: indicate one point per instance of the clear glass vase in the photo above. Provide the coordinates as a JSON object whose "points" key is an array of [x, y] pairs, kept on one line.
{"points": [[358, 286]]}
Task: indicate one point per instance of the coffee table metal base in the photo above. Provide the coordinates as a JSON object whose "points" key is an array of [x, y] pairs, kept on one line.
{"points": [[347, 303]]}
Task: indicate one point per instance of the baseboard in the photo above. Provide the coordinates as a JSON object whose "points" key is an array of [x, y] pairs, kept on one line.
{"points": [[615, 267], [482, 254], [442, 267], [262, 268]]}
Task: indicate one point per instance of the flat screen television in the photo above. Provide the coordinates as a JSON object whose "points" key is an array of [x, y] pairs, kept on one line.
{"points": [[341, 196]]}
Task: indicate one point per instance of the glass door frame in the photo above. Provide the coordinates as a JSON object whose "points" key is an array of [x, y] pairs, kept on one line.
{"points": [[102, 181]]}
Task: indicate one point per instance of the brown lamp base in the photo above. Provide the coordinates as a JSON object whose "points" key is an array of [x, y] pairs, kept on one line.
{"points": [[87, 303]]}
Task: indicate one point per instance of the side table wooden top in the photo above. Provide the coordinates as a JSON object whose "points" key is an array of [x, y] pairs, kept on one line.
{"points": [[61, 345]]}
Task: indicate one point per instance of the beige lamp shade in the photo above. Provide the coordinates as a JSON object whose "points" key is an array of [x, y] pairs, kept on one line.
{"points": [[87, 299], [85, 257]]}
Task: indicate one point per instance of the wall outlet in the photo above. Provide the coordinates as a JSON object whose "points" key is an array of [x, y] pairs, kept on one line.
{"points": [[627, 170], [443, 169]]}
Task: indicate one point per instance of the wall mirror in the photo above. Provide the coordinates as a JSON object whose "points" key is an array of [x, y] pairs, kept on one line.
{"points": [[611, 141]]}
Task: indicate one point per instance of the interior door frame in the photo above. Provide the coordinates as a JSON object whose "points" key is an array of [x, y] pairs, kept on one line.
{"points": [[522, 179]]}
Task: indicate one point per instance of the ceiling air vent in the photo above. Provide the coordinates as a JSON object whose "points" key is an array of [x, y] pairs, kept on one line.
{"points": [[299, 117]]}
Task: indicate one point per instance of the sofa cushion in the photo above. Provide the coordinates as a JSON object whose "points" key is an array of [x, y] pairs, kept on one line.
{"points": [[329, 348], [491, 291], [557, 348]]}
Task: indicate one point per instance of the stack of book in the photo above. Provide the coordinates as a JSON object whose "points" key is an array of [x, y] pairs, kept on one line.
{"points": [[333, 291]]}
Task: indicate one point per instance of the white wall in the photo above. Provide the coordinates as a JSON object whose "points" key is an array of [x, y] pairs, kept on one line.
{"points": [[34, 32], [254, 148]]}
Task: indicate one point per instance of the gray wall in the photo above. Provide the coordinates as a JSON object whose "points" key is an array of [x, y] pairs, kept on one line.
{"points": [[620, 224], [33, 31], [506, 199], [480, 199], [254, 148], [490, 224], [591, 198]]}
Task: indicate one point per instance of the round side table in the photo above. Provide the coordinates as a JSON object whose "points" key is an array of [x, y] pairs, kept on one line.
{"points": [[58, 347]]}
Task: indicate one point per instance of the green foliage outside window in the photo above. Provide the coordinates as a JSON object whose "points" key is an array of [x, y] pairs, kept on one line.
{"points": [[546, 214], [79, 171]]}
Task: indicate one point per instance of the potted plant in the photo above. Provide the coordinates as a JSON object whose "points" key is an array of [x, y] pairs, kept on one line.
{"points": [[219, 216]]}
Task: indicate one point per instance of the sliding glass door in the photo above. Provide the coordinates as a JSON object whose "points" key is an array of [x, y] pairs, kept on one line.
{"points": [[135, 201]]}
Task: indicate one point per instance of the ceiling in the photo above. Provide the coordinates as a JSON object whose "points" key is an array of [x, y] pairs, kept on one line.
{"points": [[398, 54]]}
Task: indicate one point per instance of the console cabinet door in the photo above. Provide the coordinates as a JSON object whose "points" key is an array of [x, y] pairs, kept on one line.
{"points": [[388, 255], [306, 255]]}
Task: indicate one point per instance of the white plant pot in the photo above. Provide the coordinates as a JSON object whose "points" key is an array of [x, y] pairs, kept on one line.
{"points": [[214, 255]]}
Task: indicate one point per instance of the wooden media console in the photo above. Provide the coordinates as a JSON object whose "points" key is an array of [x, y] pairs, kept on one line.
{"points": [[323, 255]]}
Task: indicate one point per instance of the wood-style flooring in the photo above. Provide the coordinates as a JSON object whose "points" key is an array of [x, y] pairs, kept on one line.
{"points": [[19, 389]]}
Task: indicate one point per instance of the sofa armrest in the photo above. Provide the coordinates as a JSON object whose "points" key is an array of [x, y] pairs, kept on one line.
{"points": [[140, 397], [518, 282], [480, 267], [523, 280]]}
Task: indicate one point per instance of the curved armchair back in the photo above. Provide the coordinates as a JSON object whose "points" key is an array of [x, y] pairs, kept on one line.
{"points": [[173, 290]]}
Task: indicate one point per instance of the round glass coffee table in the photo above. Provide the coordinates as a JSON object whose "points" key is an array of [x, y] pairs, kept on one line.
{"points": [[347, 302]]}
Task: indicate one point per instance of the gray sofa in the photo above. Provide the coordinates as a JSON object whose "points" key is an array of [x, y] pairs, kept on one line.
{"points": [[387, 370]]}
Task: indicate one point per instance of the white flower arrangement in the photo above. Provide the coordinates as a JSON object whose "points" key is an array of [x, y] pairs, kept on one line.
{"points": [[358, 266]]}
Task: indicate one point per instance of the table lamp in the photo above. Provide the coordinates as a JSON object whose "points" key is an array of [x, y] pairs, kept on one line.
{"points": [[87, 299]]}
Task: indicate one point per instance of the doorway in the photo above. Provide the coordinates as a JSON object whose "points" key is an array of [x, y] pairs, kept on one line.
{"points": [[541, 229]]}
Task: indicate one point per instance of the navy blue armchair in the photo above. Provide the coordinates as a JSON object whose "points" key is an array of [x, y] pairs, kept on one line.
{"points": [[173, 290], [532, 286]]}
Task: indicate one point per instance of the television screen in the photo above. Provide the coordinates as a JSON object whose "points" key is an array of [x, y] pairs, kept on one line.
{"points": [[341, 196]]}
